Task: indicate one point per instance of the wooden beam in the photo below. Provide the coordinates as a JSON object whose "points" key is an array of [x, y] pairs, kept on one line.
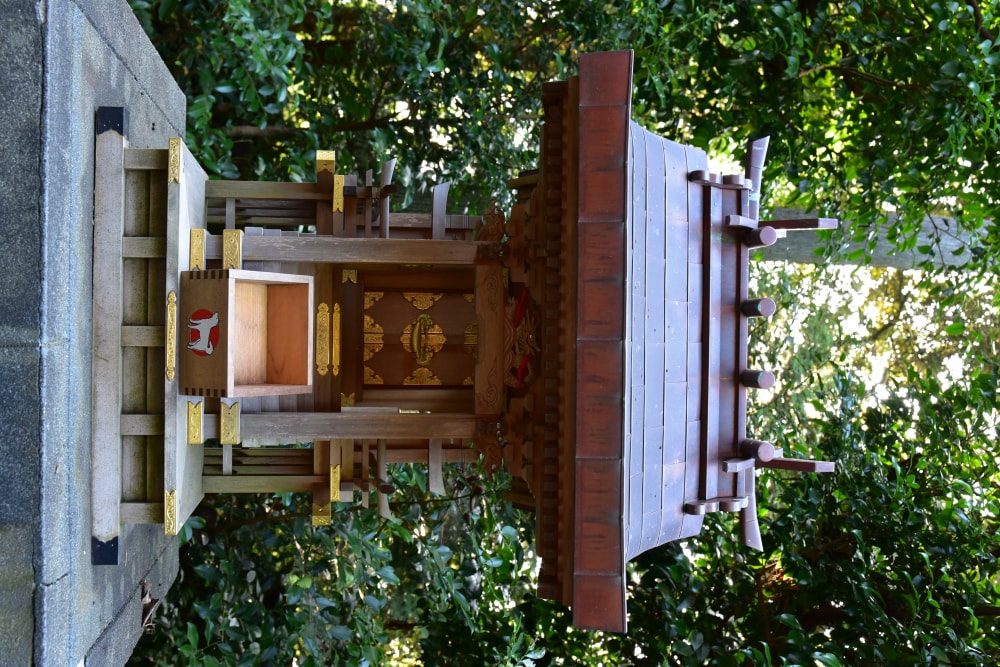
{"points": [[264, 190], [350, 424], [261, 483], [147, 159], [351, 251], [800, 248], [105, 428], [149, 513], [142, 336], [145, 247], [141, 424]]}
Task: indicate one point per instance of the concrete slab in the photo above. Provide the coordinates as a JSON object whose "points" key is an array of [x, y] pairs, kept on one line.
{"points": [[59, 61]]}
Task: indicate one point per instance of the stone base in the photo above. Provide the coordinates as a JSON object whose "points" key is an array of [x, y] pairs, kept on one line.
{"points": [[61, 60]]}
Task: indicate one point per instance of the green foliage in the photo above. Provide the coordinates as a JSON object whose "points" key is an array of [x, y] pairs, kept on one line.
{"points": [[259, 585], [452, 90], [872, 107]]}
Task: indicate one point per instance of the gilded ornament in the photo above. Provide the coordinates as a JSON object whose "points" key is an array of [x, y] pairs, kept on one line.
{"points": [[422, 300], [349, 275], [371, 377], [232, 248], [423, 338], [229, 424], [338, 195], [373, 336], [470, 337], [422, 376], [170, 512], [336, 339], [468, 381], [196, 261], [194, 422], [335, 483], [371, 298], [171, 332], [471, 298], [347, 400], [322, 338], [320, 515], [174, 160], [325, 161]]}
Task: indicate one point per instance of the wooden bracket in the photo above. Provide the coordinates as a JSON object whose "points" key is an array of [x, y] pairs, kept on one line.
{"points": [[710, 505], [489, 252], [489, 432]]}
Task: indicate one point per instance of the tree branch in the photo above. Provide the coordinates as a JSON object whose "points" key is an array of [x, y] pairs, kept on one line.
{"points": [[273, 132], [899, 300], [977, 13]]}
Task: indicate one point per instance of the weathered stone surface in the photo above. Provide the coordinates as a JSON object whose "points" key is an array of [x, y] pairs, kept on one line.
{"points": [[59, 61]]}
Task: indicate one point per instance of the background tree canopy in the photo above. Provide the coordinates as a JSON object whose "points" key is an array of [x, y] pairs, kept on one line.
{"points": [[872, 108]]}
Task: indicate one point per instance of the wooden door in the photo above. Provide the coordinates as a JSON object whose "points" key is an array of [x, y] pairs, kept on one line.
{"points": [[419, 339]]}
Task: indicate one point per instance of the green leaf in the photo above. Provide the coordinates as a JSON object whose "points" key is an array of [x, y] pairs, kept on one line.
{"points": [[955, 329], [940, 655], [827, 659], [166, 9], [388, 574], [325, 603], [192, 635], [208, 572]]}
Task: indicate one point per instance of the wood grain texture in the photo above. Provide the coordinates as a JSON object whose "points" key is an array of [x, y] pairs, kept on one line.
{"points": [[490, 310], [109, 226], [603, 119], [182, 464], [360, 251], [355, 423]]}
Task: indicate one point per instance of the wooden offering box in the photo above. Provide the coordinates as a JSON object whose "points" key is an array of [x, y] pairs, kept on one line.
{"points": [[245, 333]]}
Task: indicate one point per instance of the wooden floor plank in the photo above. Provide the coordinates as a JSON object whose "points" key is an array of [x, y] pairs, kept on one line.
{"points": [[109, 202]]}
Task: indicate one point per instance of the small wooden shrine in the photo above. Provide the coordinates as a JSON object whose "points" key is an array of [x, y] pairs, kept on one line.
{"points": [[595, 343]]}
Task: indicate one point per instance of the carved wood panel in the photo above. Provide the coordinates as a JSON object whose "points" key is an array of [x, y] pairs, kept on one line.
{"points": [[419, 338]]}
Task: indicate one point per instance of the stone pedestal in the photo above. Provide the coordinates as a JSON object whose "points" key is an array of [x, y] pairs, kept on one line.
{"points": [[60, 60]]}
